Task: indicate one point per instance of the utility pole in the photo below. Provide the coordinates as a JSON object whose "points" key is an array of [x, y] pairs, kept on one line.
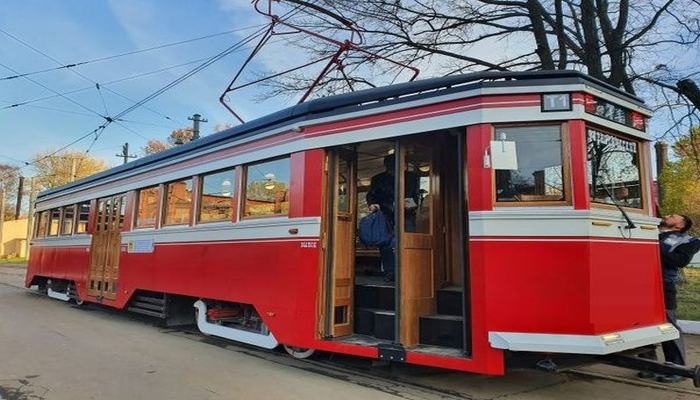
{"points": [[196, 119], [661, 161], [20, 192], [72, 168], [125, 153], [30, 216]]}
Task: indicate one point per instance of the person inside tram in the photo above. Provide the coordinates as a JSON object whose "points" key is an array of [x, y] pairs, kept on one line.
{"points": [[381, 197], [677, 250]]}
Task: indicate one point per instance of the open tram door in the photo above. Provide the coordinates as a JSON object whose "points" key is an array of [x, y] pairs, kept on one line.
{"points": [[340, 276], [422, 305]]}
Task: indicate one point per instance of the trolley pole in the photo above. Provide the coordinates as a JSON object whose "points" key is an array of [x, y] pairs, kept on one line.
{"points": [[30, 217], [125, 153], [196, 119]]}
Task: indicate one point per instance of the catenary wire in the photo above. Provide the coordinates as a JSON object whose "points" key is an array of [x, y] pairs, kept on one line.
{"points": [[97, 86], [197, 69], [209, 61], [76, 64]]}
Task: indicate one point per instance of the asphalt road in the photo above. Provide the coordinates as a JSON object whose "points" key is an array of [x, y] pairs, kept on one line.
{"points": [[53, 350]]}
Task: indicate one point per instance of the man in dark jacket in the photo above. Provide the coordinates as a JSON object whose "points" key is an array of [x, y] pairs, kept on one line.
{"points": [[677, 250], [381, 197]]}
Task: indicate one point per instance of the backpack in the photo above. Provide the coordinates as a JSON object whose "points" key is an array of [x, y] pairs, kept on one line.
{"points": [[375, 230]]}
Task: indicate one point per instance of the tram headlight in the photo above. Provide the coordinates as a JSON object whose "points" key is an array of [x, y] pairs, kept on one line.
{"points": [[667, 328], [612, 338]]}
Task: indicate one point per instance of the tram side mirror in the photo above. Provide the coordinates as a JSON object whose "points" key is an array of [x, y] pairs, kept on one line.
{"points": [[503, 155]]}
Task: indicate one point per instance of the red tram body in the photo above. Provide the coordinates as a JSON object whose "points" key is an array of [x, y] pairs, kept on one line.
{"points": [[256, 226]]}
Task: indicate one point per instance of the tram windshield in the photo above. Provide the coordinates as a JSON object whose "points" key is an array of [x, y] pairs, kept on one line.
{"points": [[613, 170]]}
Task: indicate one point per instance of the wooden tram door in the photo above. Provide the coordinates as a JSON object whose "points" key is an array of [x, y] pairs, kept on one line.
{"points": [[341, 271], [105, 249], [418, 197]]}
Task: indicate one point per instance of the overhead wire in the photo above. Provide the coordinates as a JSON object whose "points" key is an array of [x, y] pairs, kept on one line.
{"points": [[100, 129], [103, 85], [81, 63], [160, 91], [54, 92], [51, 109], [97, 86]]}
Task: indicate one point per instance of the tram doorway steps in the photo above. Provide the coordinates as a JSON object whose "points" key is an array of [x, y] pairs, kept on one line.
{"points": [[446, 328], [374, 307], [174, 310]]}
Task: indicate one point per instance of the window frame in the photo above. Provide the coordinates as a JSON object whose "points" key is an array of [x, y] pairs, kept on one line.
{"points": [[641, 159], [48, 227], [38, 227], [76, 220], [564, 133], [234, 195], [63, 219], [244, 188], [159, 204], [164, 202]]}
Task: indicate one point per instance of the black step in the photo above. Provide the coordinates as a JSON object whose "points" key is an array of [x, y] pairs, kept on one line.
{"points": [[375, 322], [449, 301], [151, 299], [441, 330], [146, 312], [384, 323], [364, 321], [375, 296], [147, 306]]}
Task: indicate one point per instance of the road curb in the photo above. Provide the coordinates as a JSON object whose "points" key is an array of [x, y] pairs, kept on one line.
{"points": [[689, 327]]}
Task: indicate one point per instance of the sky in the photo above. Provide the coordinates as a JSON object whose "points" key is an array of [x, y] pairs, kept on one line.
{"points": [[71, 31]]}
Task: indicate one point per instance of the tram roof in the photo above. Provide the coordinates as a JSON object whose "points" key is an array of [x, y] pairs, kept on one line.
{"points": [[355, 101]]}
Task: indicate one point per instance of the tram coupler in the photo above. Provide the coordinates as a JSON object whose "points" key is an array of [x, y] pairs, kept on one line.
{"points": [[631, 360], [392, 352]]}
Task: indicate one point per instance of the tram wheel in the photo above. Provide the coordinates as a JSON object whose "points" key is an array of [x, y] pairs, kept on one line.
{"points": [[79, 301], [299, 352]]}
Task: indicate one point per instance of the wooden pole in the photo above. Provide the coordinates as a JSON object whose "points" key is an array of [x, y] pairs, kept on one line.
{"points": [[30, 217]]}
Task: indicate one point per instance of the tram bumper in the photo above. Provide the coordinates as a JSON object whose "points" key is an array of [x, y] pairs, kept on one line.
{"points": [[609, 343]]}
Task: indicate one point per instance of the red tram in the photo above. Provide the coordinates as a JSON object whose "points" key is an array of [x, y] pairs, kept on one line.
{"points": [[516, 238]]}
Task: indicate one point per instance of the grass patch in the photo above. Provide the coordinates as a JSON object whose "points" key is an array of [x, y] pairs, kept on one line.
{"points": [[13, 260], [689, 295]]}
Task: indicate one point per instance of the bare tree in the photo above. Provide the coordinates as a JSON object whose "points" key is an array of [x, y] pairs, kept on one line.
{"points": [[641, 47]]}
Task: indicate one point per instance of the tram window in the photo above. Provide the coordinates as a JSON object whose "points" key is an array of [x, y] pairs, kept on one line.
{"points": [[178, 202], [147, 210], [540, 173], [54, 219], [216, 196], [67, 220], [43, 221], [267, 188], [83, 218], [613, 170]]}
